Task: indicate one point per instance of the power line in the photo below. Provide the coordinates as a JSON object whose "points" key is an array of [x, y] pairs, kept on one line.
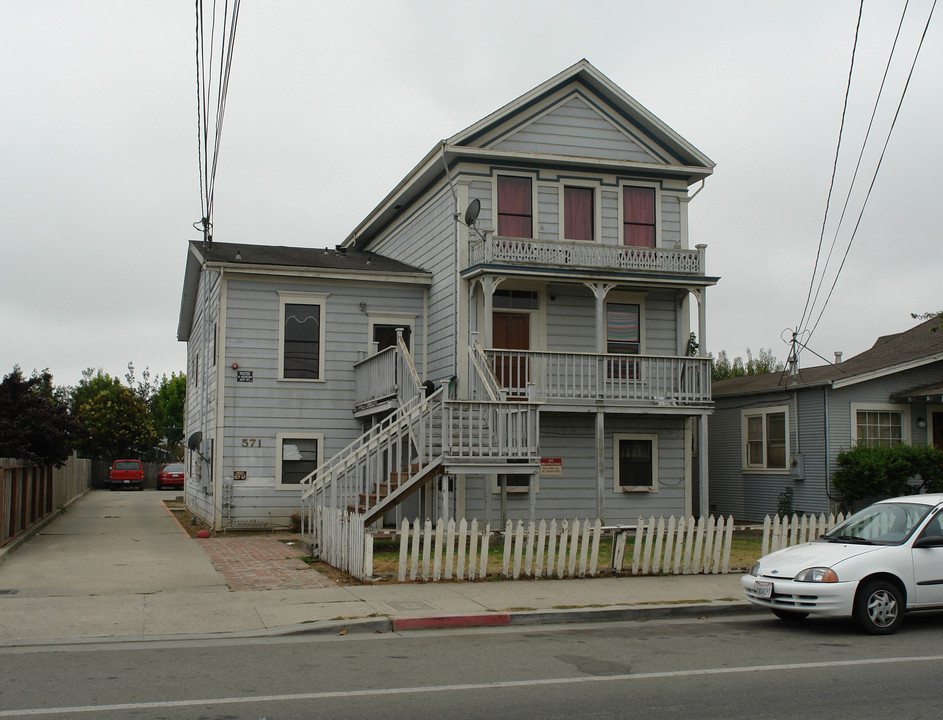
{"points": [[810, 301], [878, 168], [831, 184], [205, 86], [864, 143]]}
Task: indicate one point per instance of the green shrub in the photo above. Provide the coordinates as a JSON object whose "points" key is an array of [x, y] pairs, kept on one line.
{"points": [[879, 471]]}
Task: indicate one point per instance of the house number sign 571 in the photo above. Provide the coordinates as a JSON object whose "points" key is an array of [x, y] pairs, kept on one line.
{"points": [[252, 442]]}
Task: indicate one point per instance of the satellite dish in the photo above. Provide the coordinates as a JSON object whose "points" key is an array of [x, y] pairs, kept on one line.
{"points": [[471, 212], [193, 442]]}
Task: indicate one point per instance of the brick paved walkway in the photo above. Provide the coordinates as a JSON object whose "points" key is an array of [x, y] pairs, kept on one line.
{"points": [[262, 563]]}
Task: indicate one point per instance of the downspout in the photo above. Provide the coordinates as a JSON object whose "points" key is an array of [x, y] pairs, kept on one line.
{"points": [[828, 464]]}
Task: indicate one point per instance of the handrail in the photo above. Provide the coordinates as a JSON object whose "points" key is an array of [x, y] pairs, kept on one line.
{"points": [[555, 253], [485, 373], [620, 378], [406, 371], [371, 435]]}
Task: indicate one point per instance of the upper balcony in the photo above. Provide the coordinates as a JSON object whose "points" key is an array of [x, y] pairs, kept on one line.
{"points": [[602, 380], [553, 254]]}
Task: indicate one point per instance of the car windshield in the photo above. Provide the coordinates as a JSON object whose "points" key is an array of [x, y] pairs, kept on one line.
{"points": [[880, 524], [173, 468], [127, 465]]}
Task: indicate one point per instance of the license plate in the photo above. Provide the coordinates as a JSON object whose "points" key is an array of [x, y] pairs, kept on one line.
{"points": [[763, 589], [127, 482]]}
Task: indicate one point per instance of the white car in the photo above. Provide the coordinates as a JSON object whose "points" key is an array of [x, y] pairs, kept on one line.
{"points": [[877, 564]]}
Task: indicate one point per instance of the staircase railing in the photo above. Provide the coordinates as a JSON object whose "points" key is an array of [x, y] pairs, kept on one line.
{"points": [[377, 458], [408, 384], [483, 382], [391, 459]]}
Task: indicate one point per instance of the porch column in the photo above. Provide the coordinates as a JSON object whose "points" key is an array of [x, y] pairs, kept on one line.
{"points": [[703, 468], [701, 296], [600, 291], [601, 466], [488, 285], [489, 481]]}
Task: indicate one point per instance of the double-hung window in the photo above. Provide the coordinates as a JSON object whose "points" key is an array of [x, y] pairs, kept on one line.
{"points": [[515, 206], [638, 216], [635, 466], [623, 337], [297, 455], [578, 213], [301, 336], [765, 438], [880, 424]]}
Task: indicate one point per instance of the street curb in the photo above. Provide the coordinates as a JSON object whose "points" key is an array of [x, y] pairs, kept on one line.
{"points": [[522, 618], [383, 625]]}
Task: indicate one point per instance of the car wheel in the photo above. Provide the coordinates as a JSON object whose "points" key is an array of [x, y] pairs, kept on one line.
{"points": [[879, 607], [790, 615]]}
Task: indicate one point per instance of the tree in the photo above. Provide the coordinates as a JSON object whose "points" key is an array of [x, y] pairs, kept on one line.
{"points": [[930, 316], [764, 363], [115, 418], [35, 426], [166, 407]]}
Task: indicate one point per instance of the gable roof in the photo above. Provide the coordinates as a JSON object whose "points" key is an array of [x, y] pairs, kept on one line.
{"points": [[890, 354], [619, 104], [659, 147], [290, 261]]}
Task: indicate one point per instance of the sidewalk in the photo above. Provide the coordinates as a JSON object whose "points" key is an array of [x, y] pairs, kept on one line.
{"points": [[117, 565]]}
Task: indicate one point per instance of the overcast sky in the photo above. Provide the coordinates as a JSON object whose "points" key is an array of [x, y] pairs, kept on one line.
{"points": [[331, 104]]}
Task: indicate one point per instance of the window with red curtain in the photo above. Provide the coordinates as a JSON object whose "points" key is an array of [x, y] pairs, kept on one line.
{"points": [[515, 207], [638, 216], [577, 213]]}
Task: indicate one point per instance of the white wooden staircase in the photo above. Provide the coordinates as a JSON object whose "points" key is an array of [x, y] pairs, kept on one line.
{"points": [[426, 436]]}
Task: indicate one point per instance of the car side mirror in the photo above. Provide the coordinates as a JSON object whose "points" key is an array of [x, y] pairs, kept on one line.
{"points": [[929, 541]]}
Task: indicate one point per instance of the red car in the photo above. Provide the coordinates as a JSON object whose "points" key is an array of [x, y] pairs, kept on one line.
{"points": [[126, 474], [170, 475]]}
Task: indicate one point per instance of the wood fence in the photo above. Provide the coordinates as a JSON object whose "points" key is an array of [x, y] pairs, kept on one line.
{"points": [[460, 551], [785, 532], [342, 541], [29, 493]]}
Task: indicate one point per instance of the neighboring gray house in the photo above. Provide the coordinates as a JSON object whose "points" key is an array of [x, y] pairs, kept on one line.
{"points": [[773, 432], [541, 260]]}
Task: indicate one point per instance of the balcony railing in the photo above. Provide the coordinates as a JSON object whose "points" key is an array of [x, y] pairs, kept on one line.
{"points": [[591, 256], [574, 378]]}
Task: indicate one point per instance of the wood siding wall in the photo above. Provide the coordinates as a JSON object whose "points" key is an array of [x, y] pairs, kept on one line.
{"points": [[266, 406], [571, 437], [200, 411], [574, 128], [426, 238]]}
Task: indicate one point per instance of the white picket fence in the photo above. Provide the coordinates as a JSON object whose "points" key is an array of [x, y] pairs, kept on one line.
{"points": [[342, 541], [569, 549], [781, 533], [678, 546]]}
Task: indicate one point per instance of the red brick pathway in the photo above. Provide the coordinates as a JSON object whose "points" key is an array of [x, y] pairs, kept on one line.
{"points": [[262, 563]]}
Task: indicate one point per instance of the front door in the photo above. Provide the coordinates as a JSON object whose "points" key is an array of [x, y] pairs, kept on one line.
{"points": [[937, 420], [511, 331]]}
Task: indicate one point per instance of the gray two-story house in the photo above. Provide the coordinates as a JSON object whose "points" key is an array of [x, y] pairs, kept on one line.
{"points": [[507, 335]]}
